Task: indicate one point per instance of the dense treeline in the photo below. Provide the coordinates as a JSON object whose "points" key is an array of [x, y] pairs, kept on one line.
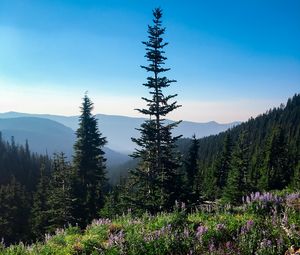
{"points": [[18, 161], [261, 154], [39, 195], [19, 176], [264, 151]]}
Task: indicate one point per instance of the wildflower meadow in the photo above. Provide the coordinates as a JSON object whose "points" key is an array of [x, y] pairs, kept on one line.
{"points": [[266, 223]]}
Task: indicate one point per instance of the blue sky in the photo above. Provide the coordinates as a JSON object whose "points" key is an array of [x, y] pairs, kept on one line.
{"points": [[232, 59]]}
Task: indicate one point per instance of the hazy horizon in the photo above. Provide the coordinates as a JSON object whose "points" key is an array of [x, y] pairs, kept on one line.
{"points": [[135, 114]]}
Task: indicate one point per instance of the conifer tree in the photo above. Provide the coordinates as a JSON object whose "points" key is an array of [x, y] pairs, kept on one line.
{"points": [[191, 165], [209, 183], [237, 183], [61, 195], [276, 170], [14, 212], [114, 202], [223, 164], [295, 183], [156, 178], [89, 163], [193, 182], [39, 211]]}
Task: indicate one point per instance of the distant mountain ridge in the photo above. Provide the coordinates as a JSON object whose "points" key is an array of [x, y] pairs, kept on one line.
{"points": [[46, 136], [120, 129]]}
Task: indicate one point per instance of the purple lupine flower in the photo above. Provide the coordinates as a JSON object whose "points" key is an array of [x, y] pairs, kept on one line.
{"points": [[255, 196], [211, 247], [292, 196], [59, 231], [135, 221], [279, 242], [285, 219], [265, 243], [164, 231], [176, 204], [220, 227], [98, 222], [263, 199], [116, 239], [249, 224], [201, 230], [47, 237], [186, 232], [169, 227], [228, 245], [274, 216], [247, 227], [248, 200]]}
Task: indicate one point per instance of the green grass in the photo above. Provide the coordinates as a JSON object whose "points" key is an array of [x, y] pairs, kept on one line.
{"points": [[258, 227]]}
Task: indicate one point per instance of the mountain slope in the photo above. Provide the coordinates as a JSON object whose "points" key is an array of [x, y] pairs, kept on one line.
{"points": [[46, 136], [273, 148], [120, 129]]}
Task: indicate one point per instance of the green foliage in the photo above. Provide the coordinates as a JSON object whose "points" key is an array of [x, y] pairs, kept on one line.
{"points": [[276, 168], [19, 179], [223, 162], [237, 183], [244, 232], [89, 165], [61, 197], [155, 183], [13, 210], [273, 152], [295, 183], [115, 201], [193, 183], [39, 211]]}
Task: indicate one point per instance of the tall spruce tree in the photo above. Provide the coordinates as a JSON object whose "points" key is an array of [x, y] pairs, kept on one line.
{"points": [[223, 164], [89, 163], [39, 211], [193, 177], [237, 183], [295, 183], [14, 212], [276, 170], [156, 179], [61, 198]]}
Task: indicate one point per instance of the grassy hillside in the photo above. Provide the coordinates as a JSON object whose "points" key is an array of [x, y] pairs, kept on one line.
{"points": [[265, 224]]}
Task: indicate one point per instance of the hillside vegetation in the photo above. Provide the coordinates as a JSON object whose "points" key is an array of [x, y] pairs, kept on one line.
{"points": [[266, 223]]}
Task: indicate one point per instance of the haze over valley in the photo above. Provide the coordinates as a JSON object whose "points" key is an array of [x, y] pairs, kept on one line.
{"points": [[52, 133]]}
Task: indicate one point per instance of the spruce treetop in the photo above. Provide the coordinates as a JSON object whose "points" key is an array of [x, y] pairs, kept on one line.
{"points": [[159, 104], [156, 179]]}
